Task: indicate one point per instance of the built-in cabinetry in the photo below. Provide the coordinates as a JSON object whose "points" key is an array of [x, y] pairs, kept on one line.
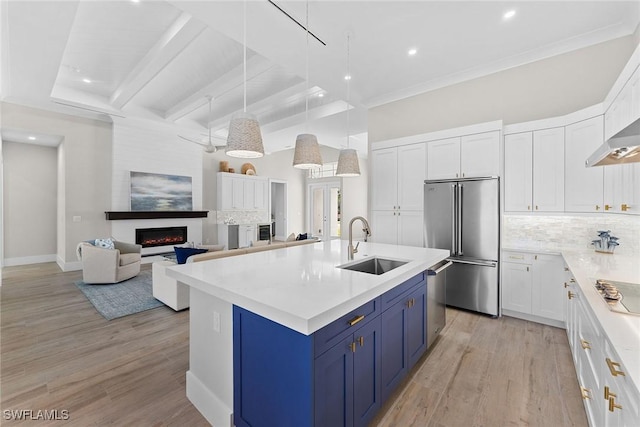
{"points": [[583, 185], [534, 171], [625, 107], [464, 157], [532, 287], [242, 192], [340, 375], [397, 194], [609, 397]]}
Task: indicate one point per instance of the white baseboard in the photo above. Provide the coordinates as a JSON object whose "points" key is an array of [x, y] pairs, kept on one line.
{"points": [[208, 403], [25, 260]]}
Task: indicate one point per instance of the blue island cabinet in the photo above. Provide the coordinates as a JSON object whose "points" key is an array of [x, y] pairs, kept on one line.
{"points": [[334, 377]]}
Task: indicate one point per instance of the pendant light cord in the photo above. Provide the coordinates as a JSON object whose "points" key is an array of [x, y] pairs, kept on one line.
{"points": [[244, 54], [306, 99], [348, 90]]}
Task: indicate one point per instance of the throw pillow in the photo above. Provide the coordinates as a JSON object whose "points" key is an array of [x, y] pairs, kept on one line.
{"points": [[302, 236], [183, 253], [104, 243], [291, 237]]}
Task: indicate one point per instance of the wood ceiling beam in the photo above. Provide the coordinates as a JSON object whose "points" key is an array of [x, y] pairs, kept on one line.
{"points": [[181, 33]]}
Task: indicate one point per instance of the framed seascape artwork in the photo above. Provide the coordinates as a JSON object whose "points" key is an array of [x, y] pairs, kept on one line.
{"points": [[158, 192]]}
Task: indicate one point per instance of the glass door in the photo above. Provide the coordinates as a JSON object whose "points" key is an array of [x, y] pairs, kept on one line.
{"points": [[324, 210]]}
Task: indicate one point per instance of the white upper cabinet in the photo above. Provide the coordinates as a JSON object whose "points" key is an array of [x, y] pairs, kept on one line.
{"points": [[518, 172], [241, 192], [583, 185], [480, 155], [548, 170], [464, 157], [384, 179], [622, 188], [534, 171], [397, 183], [443, 158]]}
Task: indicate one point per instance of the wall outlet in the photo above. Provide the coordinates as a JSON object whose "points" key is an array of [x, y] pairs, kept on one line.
{"points": [[216, 321], [77, 218]]}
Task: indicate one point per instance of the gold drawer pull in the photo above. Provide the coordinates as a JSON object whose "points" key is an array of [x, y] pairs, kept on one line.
{"points": [[356, 320], [624, 207], [607, 393], [570, 295], [566, 285], [352, 346], [572, 280], [566, 269], [585, 344], [361, 341], [613, 405], [613, 368], [586, 393], [516, 257]]}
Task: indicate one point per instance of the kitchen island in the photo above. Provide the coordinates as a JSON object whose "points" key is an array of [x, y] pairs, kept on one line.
{"points": [[296, 291]]}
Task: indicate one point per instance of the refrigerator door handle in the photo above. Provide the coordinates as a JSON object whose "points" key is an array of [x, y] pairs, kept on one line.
{"points": [[454, 223], [482, 263], [459, 221]]}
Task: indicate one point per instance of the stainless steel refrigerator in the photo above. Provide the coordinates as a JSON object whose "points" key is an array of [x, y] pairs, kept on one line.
{"points": [[463, 216]]}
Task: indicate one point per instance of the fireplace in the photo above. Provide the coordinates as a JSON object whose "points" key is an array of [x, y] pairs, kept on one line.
{"points": [[161, 236]]}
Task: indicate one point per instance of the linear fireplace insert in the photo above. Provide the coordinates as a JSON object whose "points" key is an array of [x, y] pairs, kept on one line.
{"points": [[161, 236]]}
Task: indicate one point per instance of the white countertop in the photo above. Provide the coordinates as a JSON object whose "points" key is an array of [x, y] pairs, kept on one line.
{"points": [[300, 286], [623, 330]]}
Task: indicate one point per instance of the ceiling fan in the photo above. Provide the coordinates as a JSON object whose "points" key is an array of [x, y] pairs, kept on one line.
{"points": [[208, 147]]}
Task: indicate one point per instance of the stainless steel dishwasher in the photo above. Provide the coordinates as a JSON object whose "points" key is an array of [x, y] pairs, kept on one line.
{"points": [[436, 300]]}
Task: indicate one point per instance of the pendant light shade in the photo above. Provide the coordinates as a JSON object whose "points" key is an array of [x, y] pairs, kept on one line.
{"points": [[348, 163], [245, 138], [307, 152]]}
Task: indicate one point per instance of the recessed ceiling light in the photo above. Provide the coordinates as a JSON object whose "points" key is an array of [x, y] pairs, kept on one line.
{"points": [[32, 138], [508, 15], [347, 77], [86, 80], [321, 95], [135, 1], [412, 51]]}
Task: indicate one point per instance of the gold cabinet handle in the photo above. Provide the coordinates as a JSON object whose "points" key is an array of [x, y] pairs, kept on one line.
{"points": [[411, 302], [528, 207], [536, 207], [566, 269], [607, 393], [572, 280], [613, 368], [585, 344], [624, 207], [570, 295], [586, 393], [361, 341], [516, 257], [356, 320], [566, 285], [613, 405], [607, 207], [597, 207], [352, 346]]}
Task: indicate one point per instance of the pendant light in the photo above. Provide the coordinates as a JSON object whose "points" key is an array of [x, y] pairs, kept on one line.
{"points": [[245, 138], [307, 151], [348, 159]]}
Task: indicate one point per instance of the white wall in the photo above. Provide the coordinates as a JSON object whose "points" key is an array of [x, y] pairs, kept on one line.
{"points": [[547, 88], [29, 197], [84, 174]]}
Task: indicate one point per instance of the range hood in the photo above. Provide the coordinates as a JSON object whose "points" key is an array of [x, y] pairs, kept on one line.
{"points": [[623, 147]]}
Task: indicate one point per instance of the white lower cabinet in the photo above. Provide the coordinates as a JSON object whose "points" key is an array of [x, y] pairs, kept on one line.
{"points": [[532, 287], [246, 235], [609, 398]]}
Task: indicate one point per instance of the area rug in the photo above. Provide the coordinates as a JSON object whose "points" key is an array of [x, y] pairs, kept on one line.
{"points": [[121, 299]]}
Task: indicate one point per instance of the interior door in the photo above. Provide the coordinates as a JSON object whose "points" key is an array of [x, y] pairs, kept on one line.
{"points": [[325, 210]]}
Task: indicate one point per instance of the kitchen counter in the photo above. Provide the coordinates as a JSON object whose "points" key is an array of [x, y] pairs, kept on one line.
{"points": [[300, 287], [622, 330]]}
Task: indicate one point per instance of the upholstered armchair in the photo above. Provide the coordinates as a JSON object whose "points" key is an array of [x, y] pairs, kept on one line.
{"points": [[101, 265]]}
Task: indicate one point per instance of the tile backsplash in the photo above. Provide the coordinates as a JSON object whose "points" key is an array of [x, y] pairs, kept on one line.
{"points": [[569, 231], [243, 217]]}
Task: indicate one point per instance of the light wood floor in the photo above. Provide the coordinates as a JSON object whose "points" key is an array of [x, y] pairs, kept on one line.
{"points": [[57, 352]]}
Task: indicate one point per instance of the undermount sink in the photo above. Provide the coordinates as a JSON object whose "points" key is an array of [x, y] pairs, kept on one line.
{"points": [[374, 265]]}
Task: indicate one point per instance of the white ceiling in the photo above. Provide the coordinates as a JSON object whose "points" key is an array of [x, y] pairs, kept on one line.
{"points": [[159, 60]]}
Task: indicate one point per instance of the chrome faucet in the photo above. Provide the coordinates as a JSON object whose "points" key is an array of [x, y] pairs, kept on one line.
{"points": [[367, 231]]}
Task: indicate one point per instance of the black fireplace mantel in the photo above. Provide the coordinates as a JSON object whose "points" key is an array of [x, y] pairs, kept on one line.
{"points": [[117, 215]]}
